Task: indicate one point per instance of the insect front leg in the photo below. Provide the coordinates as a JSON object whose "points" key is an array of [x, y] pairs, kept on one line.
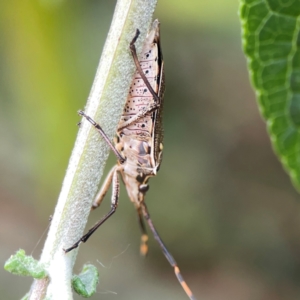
{"points": [[114, 204]]}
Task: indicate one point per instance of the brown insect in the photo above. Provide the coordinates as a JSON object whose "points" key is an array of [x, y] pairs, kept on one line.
{"points": [[138, 144]]}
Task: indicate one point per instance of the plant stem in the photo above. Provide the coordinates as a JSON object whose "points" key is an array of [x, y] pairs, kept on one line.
{"points": [[105, 105]]}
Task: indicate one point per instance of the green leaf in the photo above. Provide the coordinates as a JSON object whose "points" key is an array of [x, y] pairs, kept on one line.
{"points": [[23, 265], [271, 43], [85, 284]]}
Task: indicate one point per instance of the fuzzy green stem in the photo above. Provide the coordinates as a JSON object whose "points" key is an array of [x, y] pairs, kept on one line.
{"points": [[105, 104]]}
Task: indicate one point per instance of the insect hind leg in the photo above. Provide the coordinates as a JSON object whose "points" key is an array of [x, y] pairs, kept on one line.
{"points": [[167, 254], [144, 237]]}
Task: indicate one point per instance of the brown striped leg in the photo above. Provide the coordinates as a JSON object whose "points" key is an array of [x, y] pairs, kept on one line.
{"points": [[167, 254], [114, 205]]}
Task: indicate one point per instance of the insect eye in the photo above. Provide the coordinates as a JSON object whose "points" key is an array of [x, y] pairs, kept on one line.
{"points": [[140, 178], [143, 188]]}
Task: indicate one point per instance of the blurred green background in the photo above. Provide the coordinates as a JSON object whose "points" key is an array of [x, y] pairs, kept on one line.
{"points": [[221, 201]]}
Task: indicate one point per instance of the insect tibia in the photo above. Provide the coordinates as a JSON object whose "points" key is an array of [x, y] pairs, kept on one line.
{"points": [[103, 134]]}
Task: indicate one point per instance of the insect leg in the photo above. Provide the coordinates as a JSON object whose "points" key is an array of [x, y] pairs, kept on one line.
{"points": [[114, 205], [144, 237], [101, 194], [167, 254], [103, 134], [139, 115]]}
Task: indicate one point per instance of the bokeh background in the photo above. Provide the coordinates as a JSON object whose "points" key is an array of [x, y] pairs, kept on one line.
{"points": [[221, 201]]}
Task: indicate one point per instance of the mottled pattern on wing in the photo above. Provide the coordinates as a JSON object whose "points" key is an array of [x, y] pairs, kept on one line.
{"points": [[139, 96]]}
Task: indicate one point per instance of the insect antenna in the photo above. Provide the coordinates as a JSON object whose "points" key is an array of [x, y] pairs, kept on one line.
{"points": [[167, 254]]}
